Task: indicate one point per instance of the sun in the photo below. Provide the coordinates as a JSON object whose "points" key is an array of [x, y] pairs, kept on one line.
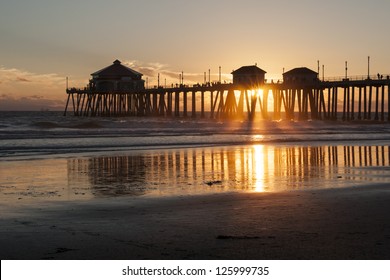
{"points": [[260, 91], [256, 92]]}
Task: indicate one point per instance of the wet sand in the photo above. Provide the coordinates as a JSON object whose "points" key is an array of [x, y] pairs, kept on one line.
{"points": [[236, 202], [346, 223]]}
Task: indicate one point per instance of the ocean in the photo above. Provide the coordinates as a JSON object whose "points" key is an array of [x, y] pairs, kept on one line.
{"points": [[36, 134], [45, 156]]}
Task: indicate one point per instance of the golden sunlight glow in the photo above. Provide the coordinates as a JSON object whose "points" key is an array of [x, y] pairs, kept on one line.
{"points": [[270, 100], [256, 92], [258, 169]]}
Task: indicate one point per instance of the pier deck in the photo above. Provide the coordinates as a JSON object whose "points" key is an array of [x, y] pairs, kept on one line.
{"points": [[346, 99]]}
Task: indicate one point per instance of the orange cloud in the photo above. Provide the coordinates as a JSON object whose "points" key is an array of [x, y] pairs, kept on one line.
{"points": [[30, 103], [151, 70], [21, 79], [23, 90]]}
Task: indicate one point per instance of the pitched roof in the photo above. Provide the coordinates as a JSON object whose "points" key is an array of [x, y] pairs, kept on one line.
{"points": [[116, 69], [249, 70], [300, 71]]}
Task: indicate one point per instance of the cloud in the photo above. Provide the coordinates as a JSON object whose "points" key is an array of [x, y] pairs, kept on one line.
{"points": [[30, 103], [12, 75], [151, 70], [23, 90], [20, 79], [32, 97]]}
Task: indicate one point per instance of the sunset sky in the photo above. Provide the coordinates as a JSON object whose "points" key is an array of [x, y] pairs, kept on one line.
{"points": [[45, 41]]}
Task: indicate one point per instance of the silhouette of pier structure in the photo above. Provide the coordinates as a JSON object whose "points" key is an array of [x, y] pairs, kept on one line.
{"points": [[119, 91]]}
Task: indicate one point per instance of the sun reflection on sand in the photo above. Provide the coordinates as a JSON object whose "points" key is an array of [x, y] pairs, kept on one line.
{"points": [[193, 171], [258, 137], [258, 169]]}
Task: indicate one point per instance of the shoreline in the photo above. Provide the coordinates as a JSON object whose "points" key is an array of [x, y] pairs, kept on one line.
{"points": [[41, 136], [348, 223]]}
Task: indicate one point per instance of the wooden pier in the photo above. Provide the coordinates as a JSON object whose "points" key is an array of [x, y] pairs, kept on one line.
{"points": [[365, 99]]}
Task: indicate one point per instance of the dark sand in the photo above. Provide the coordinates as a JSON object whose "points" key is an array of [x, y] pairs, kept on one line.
{"points": [[349, 223]]}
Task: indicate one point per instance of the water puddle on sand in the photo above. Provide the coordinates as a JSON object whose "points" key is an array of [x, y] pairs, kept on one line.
{"points": [[192, 171]]}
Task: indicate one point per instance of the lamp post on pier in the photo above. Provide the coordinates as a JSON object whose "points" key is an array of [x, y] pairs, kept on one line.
{"points": [[318, 68]]}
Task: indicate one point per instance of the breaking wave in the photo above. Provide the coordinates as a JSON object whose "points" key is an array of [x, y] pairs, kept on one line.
{"points": [[42, 133], [49, 125]]}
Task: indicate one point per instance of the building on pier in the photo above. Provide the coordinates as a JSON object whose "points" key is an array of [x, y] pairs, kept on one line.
{"points": [[116, 77], [249, 76], [300, 75]]}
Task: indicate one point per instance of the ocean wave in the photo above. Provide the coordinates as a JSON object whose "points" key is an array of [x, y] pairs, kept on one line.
{"points": [[92, 145], [45, 124], [39, 133], [89, 124], [51, 125]]}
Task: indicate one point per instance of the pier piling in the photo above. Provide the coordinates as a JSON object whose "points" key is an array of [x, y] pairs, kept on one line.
{"points": [[318, 100]]}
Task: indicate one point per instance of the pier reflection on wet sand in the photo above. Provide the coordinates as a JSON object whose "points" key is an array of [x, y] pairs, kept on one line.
{"points": [[258, 168]]}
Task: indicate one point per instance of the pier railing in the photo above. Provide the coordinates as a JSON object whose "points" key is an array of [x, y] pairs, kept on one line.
{"points": [[212, 85], [356, 78]]}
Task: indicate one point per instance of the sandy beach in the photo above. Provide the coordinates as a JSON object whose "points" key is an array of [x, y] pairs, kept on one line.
{"points": [[228, 202], [347, 223]]}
